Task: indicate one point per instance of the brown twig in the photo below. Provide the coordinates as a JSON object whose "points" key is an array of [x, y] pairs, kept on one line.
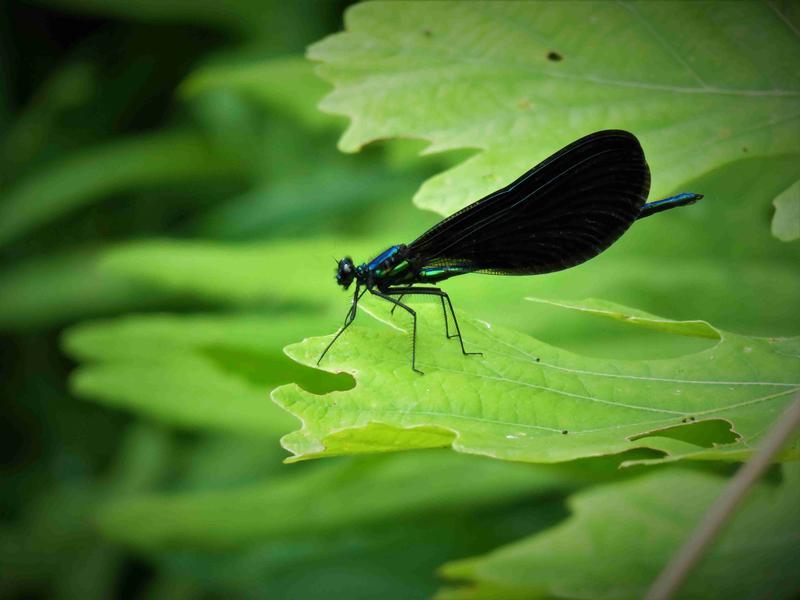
{"points": [[682, 562]]}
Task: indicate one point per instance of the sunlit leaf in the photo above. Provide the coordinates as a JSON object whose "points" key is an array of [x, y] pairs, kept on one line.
{"points": [[695, 80], [525, 400]]}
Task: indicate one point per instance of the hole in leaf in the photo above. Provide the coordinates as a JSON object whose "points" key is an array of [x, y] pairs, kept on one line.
{"points": [[706, 434], [608, 466], [554, 56]]}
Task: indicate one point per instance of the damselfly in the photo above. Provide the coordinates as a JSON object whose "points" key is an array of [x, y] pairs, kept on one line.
{"points": [[562, 212]]}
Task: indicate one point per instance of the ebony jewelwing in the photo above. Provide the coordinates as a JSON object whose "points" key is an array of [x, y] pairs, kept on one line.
{"points": [[564, 211]]}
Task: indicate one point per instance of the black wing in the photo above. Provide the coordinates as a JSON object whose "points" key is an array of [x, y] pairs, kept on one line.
{"points": [[561, 213]]}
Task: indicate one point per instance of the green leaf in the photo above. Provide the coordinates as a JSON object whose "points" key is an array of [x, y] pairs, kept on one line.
{"points": [[525, 400], [336, 497], [635, 527], [211, 372], [54, 289], [238, 274], [517, 81], [95, 173], [786, 222]]}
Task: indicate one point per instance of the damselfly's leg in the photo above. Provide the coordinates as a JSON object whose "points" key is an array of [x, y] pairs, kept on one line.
{"points": [[422, 291], [400, 299], [348, 319], [444, 312], [414, 334], [458, 331]]}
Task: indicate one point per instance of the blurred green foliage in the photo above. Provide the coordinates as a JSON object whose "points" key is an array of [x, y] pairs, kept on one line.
{"points": [[637, 518], [170, 203]]}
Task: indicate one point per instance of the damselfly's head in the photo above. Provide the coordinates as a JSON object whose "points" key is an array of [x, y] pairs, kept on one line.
{"points": [[345, 272]]}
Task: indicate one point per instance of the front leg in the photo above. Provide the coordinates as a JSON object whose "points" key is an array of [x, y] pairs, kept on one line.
{"points": [[348, 320]]}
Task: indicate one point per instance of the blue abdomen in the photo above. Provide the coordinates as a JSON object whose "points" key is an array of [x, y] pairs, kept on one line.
{"points": [[658, 206]]}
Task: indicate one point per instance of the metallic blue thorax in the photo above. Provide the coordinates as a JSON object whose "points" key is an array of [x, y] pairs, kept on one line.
{"points": [[383, 260], [387, 267], [391, 267]]}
